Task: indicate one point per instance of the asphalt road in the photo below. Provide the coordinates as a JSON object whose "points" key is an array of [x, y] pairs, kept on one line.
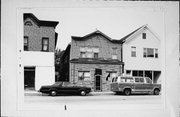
{"points": [[93, 99]]}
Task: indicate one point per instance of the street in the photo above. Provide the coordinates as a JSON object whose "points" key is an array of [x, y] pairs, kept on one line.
{"points": [[93, 98]]}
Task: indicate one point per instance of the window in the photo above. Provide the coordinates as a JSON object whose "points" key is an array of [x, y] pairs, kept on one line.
{"points": [[141, 80], [89, 52], [28, 23], [137, 80], [95, 55], [114, 53], [144, 52], [137, 73], [84, 75], [83, 55], [45, 44], [26, 43], [144, 35], [156, 53], [110, 75], [128, 72], [134, 73], [148, 80], [127, 79], [150, 53], [133, 51]]}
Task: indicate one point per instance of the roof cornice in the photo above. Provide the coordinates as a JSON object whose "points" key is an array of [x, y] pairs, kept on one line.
{"points": [[77, 38], [40, 22]]}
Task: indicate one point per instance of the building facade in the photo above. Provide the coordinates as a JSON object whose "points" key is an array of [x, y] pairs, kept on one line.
{"points": [[141, 54], [38, 56], [94, 59]]}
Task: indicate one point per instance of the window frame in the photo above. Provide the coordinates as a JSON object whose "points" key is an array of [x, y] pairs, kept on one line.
{"points": [[45, 38]]}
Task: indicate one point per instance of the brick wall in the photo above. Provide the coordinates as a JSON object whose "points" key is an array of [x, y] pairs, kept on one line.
{"points": [[105, 47], [74, 68], [35, 34]]}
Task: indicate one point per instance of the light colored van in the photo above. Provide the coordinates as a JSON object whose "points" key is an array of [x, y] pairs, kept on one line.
{"points": [[129, 85]]}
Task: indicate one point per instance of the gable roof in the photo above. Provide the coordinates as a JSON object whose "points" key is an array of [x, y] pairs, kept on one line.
{"points": [[40, 22], [97, 32], [135, 32]]}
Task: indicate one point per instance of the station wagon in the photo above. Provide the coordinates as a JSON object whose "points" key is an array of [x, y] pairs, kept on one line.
{"points": [[130, 85]]}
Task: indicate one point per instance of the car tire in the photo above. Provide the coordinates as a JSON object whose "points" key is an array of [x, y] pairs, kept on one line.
{"points": [[127, 91], [156, 91], [83, 93], [53, 93]]}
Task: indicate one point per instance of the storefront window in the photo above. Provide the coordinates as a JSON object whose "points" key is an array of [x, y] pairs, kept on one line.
{"points": [[84, 75]]}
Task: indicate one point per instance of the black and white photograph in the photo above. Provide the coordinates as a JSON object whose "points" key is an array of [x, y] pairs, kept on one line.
{"points": [[85, 58]]}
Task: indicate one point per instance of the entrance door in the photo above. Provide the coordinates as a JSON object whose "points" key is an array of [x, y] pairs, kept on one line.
{"points": [[98, 83], [29, 78], [98, 73]]}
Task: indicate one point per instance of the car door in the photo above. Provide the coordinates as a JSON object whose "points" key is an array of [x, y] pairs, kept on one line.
{"points": [[148, 84], [139, 84], [68, 88]]}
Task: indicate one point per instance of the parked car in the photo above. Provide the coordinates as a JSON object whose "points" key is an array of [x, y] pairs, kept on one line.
{"points": [[129, 85], [64, 87]]}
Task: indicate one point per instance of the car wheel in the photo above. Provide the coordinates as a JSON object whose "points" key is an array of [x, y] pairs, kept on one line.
{"points": [[127, 91], [156, 92], [53, 93], [83, 93]]}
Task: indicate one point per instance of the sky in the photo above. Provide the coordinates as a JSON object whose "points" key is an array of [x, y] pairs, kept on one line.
{"points": [[115, 22]]}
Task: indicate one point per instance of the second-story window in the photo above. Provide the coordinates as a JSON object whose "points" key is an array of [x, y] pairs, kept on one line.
{"points": [[133, 51], [89, 52], [45, 44], [150, 53], [156, 53], [144, 35], [114, 53], [25, 43]]}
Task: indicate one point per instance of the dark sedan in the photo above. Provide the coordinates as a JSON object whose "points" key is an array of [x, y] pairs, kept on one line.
{"points": [[64, 87]]}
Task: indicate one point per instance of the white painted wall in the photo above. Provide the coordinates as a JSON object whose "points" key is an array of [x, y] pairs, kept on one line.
{"points": [[44, 66], [33, 58], [44, 76], [139, 62]]}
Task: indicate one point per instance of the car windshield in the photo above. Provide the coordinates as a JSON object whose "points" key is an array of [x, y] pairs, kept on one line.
{"points": [[57, 83]]}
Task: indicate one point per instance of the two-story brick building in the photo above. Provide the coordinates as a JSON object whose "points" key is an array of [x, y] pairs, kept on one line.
{"points": [[141, 54], [38, 56], [94, 59]]}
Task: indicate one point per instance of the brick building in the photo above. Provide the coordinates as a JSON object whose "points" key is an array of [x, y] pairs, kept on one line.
{"points": [[38, 56], [94, 59]]}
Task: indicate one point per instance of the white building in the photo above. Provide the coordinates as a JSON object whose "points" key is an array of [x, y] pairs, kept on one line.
{"points": [[38, 56], [141, 54]]}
